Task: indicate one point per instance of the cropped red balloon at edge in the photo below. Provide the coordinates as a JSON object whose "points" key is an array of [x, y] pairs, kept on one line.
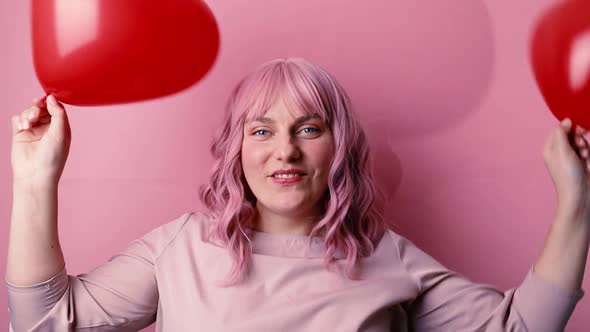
{"points": [[98, 52], [560, 57]]}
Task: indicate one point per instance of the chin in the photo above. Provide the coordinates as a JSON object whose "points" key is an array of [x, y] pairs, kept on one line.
{"points": [[289, 208]]}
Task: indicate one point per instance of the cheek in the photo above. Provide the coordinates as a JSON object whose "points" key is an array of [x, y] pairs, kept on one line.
{"points": [[253, 159], [328, 152], [322, 157]]}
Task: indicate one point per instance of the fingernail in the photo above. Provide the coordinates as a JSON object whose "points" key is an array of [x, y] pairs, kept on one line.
{"points": [[51, 100]]}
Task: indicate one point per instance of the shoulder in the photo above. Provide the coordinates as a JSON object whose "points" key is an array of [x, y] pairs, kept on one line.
{"points": [[401, 245], [186, 222], [188, 226], [386, 247], [391, 239], [415, 259]]}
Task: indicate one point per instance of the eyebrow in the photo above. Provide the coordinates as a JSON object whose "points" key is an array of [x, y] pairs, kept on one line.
{"points": [[298, 121]]}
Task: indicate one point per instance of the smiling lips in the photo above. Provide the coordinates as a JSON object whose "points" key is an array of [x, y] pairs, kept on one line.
{"points": [[291, 171], [287, 176]]}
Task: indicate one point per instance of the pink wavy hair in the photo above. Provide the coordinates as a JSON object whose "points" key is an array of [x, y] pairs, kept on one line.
{"points": [[351, 221]]}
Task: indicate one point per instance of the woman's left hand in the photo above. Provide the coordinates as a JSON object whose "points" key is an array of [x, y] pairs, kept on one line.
{"points": [[563, 258], [567, 158]]}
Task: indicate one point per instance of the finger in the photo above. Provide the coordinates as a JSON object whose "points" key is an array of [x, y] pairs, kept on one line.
{"points": [[44, 119], [54, 106], [565, 140], [33, 114], [16, 127], [580, 130], [561, 137], [39, 113], [566, 124], [581, 142], [58, 115], [27, 115], [42, 112], [570, 138], [41, 102]]}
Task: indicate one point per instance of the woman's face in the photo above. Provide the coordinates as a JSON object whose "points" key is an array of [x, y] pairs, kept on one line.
{"points": [[286, 160]]}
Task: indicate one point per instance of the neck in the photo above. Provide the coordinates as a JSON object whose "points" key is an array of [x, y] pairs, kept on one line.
{"points": [[270, 222]]}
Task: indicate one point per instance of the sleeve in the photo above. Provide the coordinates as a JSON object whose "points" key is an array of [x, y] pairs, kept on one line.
{"points": [[447, 301], [119, 295]]}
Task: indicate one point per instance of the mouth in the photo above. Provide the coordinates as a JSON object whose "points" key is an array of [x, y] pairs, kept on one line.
{"points": [[287, 179], [287, 176], [287, 173]]}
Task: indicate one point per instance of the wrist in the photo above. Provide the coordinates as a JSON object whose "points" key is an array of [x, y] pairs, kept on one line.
{"points": [[575, 217], [34, 186]]}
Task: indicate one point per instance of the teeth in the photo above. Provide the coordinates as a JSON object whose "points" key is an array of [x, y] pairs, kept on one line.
{"points": [[286, 176]]}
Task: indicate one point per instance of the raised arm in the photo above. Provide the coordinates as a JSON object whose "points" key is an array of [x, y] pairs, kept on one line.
{"points": [[119, 295], [563, 258], [448, 301], [40, 146], [547, 296]]}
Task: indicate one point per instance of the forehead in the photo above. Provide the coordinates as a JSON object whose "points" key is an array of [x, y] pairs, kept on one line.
{"points": [[279, 111]]}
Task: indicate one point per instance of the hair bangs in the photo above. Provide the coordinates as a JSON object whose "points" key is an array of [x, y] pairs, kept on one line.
{"points": [[288, 82]]}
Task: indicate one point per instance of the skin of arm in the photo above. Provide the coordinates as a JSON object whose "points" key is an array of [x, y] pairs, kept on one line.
{"points": [[40, 147], [34, 251], [563, 257]]}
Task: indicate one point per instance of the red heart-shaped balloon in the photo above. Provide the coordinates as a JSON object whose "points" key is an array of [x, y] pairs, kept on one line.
{"points": [[560, 57], [97, 52]]}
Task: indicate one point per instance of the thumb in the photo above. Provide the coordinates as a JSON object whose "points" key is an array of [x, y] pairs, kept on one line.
{"points": [[565, 131], [59, 119], [566, 124], [566, 137]]}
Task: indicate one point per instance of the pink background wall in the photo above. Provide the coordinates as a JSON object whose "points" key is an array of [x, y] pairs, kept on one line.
{"points": [[444, 88]]}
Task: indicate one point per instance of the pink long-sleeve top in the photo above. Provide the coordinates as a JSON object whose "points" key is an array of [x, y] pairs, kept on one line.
{"points": [[169, 276]]}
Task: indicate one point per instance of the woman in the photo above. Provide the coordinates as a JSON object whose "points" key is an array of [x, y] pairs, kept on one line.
{"points": [[291, 239]]}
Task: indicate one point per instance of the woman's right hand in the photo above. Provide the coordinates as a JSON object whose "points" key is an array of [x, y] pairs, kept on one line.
{"points": [[41, 140]]}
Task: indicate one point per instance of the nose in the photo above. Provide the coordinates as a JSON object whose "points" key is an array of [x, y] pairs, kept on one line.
{"points": [[287, 150]]}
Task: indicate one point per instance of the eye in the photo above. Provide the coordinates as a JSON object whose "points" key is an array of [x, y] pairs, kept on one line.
{"points": [[260, 132], [309, 130]]}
